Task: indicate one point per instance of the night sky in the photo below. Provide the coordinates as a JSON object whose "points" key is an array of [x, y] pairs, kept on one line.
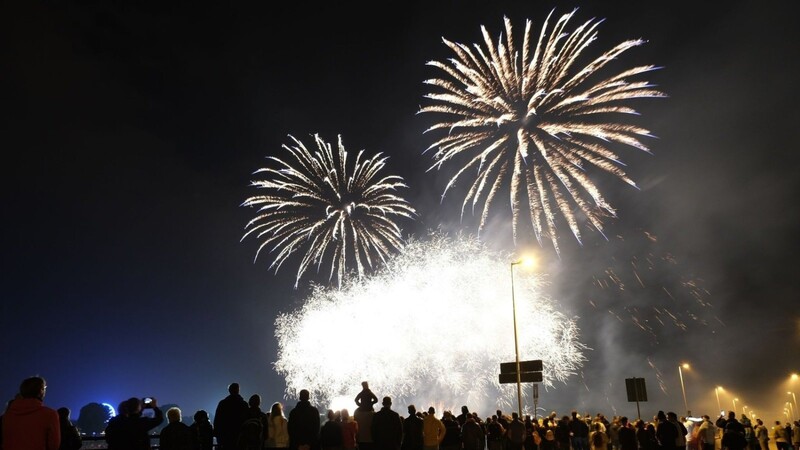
{"points": [[130, 134]]}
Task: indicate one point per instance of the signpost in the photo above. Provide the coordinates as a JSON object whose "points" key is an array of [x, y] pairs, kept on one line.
{"points": [[529, 372], [637, 392]]}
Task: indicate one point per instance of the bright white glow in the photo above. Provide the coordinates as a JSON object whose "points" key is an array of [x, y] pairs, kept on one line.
{"points": [[343, 402], [430, 328]]}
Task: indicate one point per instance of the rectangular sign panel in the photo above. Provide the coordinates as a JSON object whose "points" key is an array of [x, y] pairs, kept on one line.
{"points": [[534, 365], [525, 377], [637, 391]]}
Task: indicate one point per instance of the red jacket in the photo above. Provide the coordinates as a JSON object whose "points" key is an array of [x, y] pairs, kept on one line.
{"points": [[29, 425]]}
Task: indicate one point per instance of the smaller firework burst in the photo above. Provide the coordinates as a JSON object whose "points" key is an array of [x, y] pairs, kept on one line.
{"points": [[333, 211]]}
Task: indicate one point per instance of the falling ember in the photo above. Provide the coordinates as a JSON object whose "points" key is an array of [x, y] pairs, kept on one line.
{"points": [[430, 327]]}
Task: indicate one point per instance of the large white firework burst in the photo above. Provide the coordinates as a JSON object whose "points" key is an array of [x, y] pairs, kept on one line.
{"points": [[533, 120], [317, 202], [430, 327]]}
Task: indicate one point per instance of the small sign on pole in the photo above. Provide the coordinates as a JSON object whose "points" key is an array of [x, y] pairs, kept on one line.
{"points": [[637, 392]]}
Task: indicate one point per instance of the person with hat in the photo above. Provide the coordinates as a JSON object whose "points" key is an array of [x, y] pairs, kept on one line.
{"points": [[387, 427]]}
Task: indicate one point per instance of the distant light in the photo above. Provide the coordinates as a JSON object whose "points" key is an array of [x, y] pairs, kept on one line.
{"points": [[111, 408]]}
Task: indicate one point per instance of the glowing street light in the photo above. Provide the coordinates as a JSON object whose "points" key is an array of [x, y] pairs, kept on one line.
{"points": [[683, 388], [716, 391], [795, 400], [527, 262]]}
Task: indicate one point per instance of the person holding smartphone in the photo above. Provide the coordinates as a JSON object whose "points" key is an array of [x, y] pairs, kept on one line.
{"points": [[133, 430]]}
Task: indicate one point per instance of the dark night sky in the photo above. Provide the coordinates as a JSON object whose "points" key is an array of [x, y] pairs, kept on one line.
{"points": [[130, 132]]}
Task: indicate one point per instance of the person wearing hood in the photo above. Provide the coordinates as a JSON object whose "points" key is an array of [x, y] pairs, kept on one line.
{"points": [[28, 424]]}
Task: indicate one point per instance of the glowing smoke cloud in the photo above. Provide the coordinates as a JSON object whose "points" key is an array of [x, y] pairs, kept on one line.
{"points": [[431, 327], [529, 120], [316, 201]]}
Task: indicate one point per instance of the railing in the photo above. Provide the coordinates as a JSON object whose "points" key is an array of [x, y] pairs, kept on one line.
{"points": [[94, 442]]}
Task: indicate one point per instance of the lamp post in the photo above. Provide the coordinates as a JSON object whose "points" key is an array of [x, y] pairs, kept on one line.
{"points": [[516, 338], [716, 391], [791, 409], [683, 388], [734, 404], [794, 399]]}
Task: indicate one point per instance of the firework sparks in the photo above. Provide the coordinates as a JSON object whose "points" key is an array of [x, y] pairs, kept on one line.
{"points": [[316, 201], [430, 327], [531, 122]]}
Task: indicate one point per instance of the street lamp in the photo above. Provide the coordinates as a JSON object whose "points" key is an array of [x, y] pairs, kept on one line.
{"points": [[526, 262], [716, 391], [791, 409], [734, 404], [795, 400], [683, 388]]}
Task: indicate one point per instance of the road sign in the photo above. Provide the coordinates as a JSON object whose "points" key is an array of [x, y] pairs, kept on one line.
{"points": [[524, 377], [636, 389], [534, 365]]}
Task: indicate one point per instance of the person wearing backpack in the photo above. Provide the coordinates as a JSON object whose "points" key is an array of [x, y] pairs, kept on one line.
{"points": [[251, 433]]}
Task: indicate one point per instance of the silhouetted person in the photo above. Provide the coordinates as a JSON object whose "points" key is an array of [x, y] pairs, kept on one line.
{"points": [[732, 439], [366, 399], [626, 435], [666, 432], [228, 418], [452, 432], [133, 429], [203, 429], [680, 442], [27, 423], [412, 430], [516, 432], [177, 435], [561, 433], [70, 436], [495, 434], [387, 427], [304, 424], [580, 432], [330, 437], [472, 435], [462, 418], [254, 427], [363, 417], [112, 427], [733, 422]]}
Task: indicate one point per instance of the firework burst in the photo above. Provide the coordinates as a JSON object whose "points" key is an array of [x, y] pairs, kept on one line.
{"points": [[317, 202], [430, 327], [533, 121]]}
